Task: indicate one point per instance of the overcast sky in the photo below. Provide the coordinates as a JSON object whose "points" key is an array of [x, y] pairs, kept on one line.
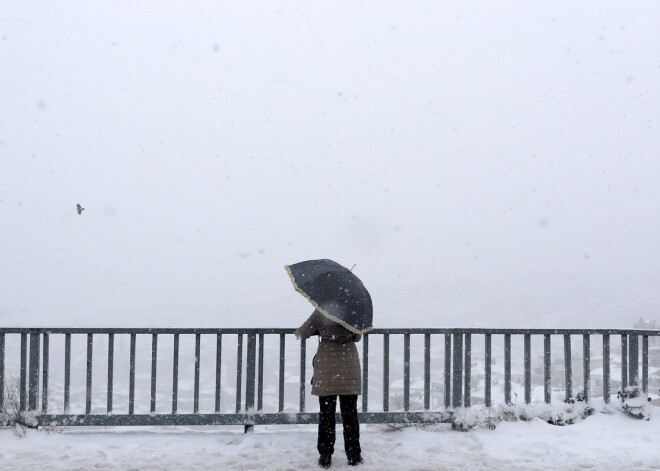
{"points": [[454, 151]]}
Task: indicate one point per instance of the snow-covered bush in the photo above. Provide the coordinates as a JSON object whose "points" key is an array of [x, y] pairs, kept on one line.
{"points": [[635, 403], [465, 419], [570, 411], [12, 417]]}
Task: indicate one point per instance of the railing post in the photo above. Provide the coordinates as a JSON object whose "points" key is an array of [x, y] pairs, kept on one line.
{"points": [[547, 369], [196, 380], [280, 406], [260, 374], [44, 379], [386, 372], [2, 371], [88, 388], [457, 374], [586, 366], [239, 372], [406, 372], [23, 380], [35, 348], [175, 374], [427, 371], [645, 364], [67, 372], [606, 368], [507, 368], [131, 377], [467, 369], [624, 362], [633, 360], [487, 371], [528, 367], [111, 368], [303, 360], [251, 372], [251, 377], [365, 373], [154, 371], [568, 370], [218, 372], [447, 371]]}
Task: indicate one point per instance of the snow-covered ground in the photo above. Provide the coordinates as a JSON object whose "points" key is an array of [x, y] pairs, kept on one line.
{"points": [[601, 442]]}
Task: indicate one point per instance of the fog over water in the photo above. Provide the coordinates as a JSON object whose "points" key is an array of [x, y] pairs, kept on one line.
{"points": [[482, 163]]}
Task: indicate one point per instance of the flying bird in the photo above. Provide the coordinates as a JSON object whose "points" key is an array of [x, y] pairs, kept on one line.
{"points": [[79, 208]]}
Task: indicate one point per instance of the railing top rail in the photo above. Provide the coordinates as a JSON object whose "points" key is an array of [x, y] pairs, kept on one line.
{"points": [[394, 331]]}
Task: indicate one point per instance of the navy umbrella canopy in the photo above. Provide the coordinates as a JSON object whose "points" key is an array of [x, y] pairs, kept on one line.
{"points": [[335, 291]]}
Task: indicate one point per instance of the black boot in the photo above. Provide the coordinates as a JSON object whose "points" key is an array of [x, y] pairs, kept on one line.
{"points": [[325, 461], [354, 460]]}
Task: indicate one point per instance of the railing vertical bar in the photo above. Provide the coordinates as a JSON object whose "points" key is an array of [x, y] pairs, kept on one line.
{"points": [[251, 371], [303, 351], [528, 367], [111, 368], [45, 374], [624, 362], [218, 372], [239, 372], [175, 374], [67, 372], [406, 372], [645, 364], [457, 373], [23, 377], [2, 370], [131, 379], [467, 368], [280, 405], [427, 371], [386, 372], [33, 383], [547, 368], [251, 375], [586, 365], [447, 371], [154, 370], [198, 341], [487, 370], [365, 373], [260, 374], [88, 388], [568, 368], [606, 368], [633, 357], [507, 368]]}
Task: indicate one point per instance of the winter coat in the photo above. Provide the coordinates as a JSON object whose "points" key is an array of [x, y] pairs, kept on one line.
{"points": [[336, 363]]}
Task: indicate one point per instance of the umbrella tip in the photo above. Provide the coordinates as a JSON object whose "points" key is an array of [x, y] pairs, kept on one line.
{"points": [[352, 267]]}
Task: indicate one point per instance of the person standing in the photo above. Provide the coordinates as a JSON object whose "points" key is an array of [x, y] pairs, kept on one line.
{"points": [[337, 373]]}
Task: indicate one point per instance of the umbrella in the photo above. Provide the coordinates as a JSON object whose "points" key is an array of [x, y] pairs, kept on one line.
{"points": [[335, 291]]}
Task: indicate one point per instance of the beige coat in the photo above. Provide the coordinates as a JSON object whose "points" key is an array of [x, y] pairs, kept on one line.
{"points": [[337, 363]]}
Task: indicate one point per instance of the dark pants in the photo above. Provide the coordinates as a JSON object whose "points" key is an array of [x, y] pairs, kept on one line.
{"points": [[349, 417]]}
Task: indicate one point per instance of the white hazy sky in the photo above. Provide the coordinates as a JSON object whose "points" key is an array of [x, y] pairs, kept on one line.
{"points": [[479, 161]]}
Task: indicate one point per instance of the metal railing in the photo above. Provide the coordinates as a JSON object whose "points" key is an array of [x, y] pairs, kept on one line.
{"points": [[444, 374]]}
